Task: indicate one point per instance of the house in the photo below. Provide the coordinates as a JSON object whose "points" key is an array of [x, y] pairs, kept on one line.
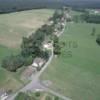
{"points": [[47, 45], [38, 63], [3, 95], [50, 22]]}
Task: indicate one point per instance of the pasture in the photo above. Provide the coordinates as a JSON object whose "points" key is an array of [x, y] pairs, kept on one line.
{"points": [[76, 72], [13, 27]]}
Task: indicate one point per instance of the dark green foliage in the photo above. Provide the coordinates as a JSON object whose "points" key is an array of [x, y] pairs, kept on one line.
{"points": [[24, 96], [57, 16], [28, 61], [48, 98], [90, 18], [56, 98], [93, 19], [93, 31], [37, 94], [56, 44], [47, 29], [32, 46], [45, 55], [12, 63], [98, 39]]}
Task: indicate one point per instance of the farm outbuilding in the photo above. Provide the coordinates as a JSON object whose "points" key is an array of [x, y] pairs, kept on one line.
{"points": [[38, 63]]}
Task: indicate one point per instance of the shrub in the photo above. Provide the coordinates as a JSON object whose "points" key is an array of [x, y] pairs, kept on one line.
{"points": [[12, 63], [37, 94]]}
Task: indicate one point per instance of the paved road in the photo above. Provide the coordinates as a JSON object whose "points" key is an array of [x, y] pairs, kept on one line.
{"points": [[36, 84]]}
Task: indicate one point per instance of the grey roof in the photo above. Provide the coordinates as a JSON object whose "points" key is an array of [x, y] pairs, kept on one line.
{"points": [[2, 92], [38, 60]]}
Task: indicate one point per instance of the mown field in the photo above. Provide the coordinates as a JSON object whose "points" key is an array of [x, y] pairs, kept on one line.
{"points": [[13, 27], [76, 72]]}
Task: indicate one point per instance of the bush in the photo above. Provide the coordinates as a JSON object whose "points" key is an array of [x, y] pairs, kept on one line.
{"points": [[24, 96], [28, 61], [98, 39], [12, 63], [37, 94], [56, 98]]}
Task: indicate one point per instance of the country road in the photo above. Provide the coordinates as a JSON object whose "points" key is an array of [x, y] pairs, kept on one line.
{"points": [[36, 84]]}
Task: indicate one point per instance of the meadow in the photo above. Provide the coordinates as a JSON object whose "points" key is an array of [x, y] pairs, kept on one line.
{"points": [[76, 72], [13, 27]]}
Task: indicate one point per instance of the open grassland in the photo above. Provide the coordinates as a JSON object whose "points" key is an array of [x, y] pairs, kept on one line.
{"points": [[13, 27], [77, 76]]}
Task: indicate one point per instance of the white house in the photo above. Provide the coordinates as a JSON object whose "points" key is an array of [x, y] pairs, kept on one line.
{"points": [[38, 62], [50, 22], [4, 96], [47, 45]]}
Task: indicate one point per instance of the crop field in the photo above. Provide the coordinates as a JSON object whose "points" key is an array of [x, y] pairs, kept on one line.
{"points": [[13, 27], [76, 72]]}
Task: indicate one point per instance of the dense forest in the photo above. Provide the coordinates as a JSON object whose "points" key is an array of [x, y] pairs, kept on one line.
{"points": [[18, 5]]}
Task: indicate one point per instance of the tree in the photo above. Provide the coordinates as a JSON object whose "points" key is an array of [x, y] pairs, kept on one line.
{"points": [[12, 63], [45, 54], [24, 96], [85, 16], [37, 94], [56, 45], [98, 39], [47, 29], [56, 98], [93, 31]]}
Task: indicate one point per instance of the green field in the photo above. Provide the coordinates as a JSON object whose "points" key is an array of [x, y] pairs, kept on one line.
{"points": [[77, 76], [13, 27]]}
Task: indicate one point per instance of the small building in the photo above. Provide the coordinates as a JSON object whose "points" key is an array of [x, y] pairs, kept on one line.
{"points": [[3, 95], [47, 45], [50, 22], [38, 63]]}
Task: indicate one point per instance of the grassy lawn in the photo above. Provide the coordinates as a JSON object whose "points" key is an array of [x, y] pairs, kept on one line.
{"points": [[13, 27], [77, 76], [7, 79]]}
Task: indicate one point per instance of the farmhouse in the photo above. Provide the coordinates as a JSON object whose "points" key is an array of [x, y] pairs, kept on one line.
{"points": [[47, 45], [50, 22], [3, 95], [38, 63]]}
